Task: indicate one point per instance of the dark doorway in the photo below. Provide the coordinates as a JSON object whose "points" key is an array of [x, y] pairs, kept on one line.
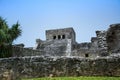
{"points": [[86, 55], [63, 36], [59, 37], [54, 37]]}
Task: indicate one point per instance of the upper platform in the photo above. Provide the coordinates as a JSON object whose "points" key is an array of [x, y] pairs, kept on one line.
{"points": [[60, 34]]}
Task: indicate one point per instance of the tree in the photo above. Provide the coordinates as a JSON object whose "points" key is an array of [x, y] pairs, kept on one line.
{"points": [[7, 36]]}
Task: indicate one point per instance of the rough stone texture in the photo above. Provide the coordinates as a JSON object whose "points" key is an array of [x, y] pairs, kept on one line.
{"points": [[84, 50], [7, 75], [54, 48], [102, 43], [20, 52], [101, 36], [27, 67], [94, 43], [113, 38]]}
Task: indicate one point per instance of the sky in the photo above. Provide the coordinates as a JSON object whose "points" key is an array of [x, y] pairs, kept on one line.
{"points": [[36, 16]]}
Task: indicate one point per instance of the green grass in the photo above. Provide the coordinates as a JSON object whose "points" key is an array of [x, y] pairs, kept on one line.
{"points": [[76, 78]]}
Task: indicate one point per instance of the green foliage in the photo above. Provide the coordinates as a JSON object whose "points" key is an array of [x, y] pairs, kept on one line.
{"points": [[7, 36], [76, 78]]}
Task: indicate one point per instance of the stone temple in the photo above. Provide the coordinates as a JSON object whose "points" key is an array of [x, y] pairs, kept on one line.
{"points": [[62, 42], [58, 42]]}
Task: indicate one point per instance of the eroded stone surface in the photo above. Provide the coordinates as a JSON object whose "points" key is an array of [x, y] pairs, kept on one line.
{"points": [[61, 66]]}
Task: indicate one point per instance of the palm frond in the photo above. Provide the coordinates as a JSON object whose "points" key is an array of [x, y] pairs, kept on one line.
{"points": [[15, 31], [7, 35]]}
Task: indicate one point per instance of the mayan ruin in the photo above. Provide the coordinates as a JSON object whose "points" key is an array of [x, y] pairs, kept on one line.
{"points": [[60, 55], [62, 42]]}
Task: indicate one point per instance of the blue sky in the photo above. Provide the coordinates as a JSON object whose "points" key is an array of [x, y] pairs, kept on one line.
{"points": [[36, 16]]}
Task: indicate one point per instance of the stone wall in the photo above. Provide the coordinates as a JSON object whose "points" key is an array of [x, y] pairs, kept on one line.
{"points": [[45, 48], [94, 44], [20, 52], [87, 49], [27, 67], [113, 38], [55, 47], [85, 53], [101, 35]]}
